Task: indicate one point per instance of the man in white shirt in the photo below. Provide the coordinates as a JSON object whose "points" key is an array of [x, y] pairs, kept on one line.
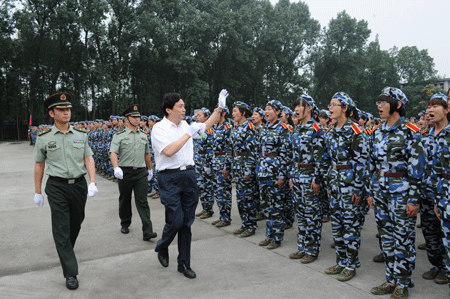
{"points": [[174, 160]]}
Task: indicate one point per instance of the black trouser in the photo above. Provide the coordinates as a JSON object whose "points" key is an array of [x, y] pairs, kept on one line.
{"points": [[67, 202], [134, 179], [179, 194]]}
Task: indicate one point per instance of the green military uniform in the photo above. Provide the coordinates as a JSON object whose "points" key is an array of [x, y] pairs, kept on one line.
{"points": [[131, 148], [66, 187]]}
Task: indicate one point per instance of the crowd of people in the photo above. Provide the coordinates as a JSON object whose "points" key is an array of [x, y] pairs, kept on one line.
{"points": [[319, 166]]}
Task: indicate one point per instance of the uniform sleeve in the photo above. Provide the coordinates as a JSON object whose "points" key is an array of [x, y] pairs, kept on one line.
{"points": [[321, 157], [358, 160], [115, 144], [291, 152], [283, 154], [250, 157], [416, 167], [39, 153]]}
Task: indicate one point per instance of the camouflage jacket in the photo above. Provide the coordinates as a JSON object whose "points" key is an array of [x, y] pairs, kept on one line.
{"points": [[441, 164], [307, 146], [221, 136], [243, 149], [397, 149], [204, 150], [272, 144], [346, 146]]}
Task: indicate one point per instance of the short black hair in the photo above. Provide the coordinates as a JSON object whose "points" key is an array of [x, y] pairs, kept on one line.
{"points": [[169, 100], [393, 105]]}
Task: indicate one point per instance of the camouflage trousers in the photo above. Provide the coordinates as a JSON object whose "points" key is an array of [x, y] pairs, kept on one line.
{"points": [[205, 190], [397, 235], [257, 196], [245, 201], [309, 218], [153, 183], [363, 209], [272, 204], [324, 202], [346, 228], [432, 232], [288, 204], [222, 193], [445, 224]]}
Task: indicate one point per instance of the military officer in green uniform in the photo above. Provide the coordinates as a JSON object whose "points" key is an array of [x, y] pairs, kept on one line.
{"points": [[130, 158], [66, 151]]}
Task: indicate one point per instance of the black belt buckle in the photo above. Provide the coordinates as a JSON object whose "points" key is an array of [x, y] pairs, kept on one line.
{"points": [[134, 168]]}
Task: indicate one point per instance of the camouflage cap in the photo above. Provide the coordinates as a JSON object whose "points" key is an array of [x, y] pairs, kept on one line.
{"points": [[242, 105], [259, 110], [395, 93], [275, 104], [206, 111], [144, 118], [440, 96], [286, 110], [344, 98]]}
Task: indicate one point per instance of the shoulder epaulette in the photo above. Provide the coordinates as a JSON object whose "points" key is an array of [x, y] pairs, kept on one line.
{"points": [[146, 131], [80, 130], [365, 131], [251, 126], [424, 131], [290, 128], [374, 128], [284, 126], [329, 128], [412, 127], [44, 132], [210, 131], [316, 126], [227, 127], [356, 129], [120, 132]]}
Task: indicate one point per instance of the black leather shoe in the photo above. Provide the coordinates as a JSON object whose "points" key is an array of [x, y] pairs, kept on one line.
{"points": [[149, 236], [163, 258], [124, 230], [72, 283], [188, 272]]}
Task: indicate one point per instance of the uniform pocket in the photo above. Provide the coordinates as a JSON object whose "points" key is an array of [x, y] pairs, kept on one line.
{"points": [[54, 153]]}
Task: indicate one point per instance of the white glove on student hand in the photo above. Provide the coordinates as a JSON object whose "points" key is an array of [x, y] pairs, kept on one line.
{"points": [[92, 189], [150, 174], [196, 128], [222, 98], [39, 199], [118, 173]]}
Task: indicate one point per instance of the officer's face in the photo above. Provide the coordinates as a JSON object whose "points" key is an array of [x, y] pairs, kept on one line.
{"points": [[134, 120], [61, 115]]}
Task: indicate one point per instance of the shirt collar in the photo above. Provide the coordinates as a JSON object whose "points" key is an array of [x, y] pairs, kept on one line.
{"points": [[55, 130]]}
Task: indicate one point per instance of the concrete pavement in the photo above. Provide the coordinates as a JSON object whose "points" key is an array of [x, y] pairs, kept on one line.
{"points": [[113, 265]]}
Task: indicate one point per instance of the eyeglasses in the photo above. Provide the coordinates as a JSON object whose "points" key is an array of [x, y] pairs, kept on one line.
{"points": [[334, 105], [381, 103]]}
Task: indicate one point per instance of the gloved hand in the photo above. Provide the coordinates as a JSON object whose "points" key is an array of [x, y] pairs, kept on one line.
{"points": [[196, 128], [118, 173], [222, 98], [150, 174], [92, 189], [207, 170], [39, 199]]}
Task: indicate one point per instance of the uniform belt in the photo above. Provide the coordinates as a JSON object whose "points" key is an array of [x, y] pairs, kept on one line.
{"points": [[67, 181], [270, 154], [340, 167], [131, 167], [445, 176], [301, 165], [182, 168], [239, 154], [391, 174], [219, 153], [202, 152]]}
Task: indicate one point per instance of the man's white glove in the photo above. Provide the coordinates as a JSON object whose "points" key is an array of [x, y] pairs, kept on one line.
{"points": [[207, 170], [150, 174], [39, 199], [222, 98], [118, 173], [196, 128], [92, 189]]}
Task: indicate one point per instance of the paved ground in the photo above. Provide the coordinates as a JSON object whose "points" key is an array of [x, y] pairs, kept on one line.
{"points": [[113, 265]]}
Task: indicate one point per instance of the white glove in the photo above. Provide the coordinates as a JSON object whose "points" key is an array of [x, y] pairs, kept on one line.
{"points": [[207, 170], [150, 174], [118, 173], [196, 128], [222, 98], [92, 189], [39, 199]]}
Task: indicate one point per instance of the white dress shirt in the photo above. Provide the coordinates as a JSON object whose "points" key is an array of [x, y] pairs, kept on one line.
{"points": [[164, 133]]}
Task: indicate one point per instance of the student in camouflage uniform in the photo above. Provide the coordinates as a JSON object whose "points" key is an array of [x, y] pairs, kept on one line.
{"points": [[397, 164], [347, 149], [437, 235], [222, 187], [258, 121], [309, 164], [242, 155], [152, 120], [203, 167], [272, 173]]}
